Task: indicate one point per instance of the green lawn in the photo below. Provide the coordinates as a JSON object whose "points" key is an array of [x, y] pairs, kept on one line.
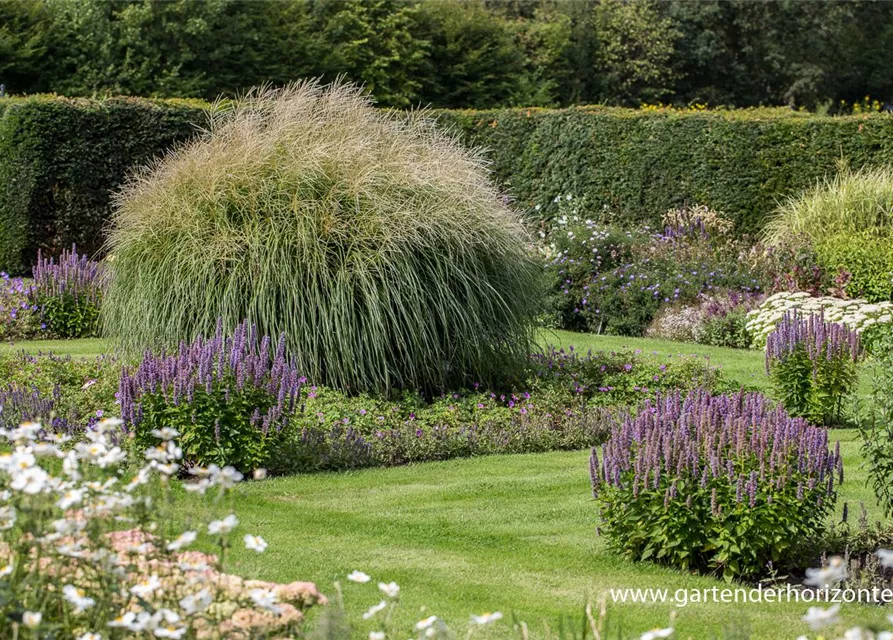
{"points": [[87, 348], [510, 533]]}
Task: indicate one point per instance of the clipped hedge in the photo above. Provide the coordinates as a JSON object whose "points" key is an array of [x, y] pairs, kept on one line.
{"points": [[61, 159], [639, 163]]}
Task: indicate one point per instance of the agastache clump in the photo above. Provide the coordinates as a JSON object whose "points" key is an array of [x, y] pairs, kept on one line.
{"points": [[68, 294], [18, 405], [226, 394], [821, 340], [73, 274], [703, 481], [812, 363]]}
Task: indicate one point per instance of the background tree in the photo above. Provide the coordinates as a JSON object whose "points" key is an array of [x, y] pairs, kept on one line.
{"points": [[447, 53], [372, 42], [635, 46], [474, 60], [178, 47], [24, 33]]}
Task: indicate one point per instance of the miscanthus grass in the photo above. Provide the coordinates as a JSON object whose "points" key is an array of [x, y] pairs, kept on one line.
{"points": [[373, 241]]}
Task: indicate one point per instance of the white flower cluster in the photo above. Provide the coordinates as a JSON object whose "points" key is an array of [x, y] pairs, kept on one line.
{"points": [[60, 524], [856, 314]]}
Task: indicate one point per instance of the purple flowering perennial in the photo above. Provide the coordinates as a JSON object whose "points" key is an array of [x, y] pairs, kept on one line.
{"points": [[227, 362], [73, 274], [19, 405], [740, 441], [821, 340]]}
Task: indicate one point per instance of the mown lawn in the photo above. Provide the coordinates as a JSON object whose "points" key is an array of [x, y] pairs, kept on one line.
{"points": [[86, 348], [509, 533]]}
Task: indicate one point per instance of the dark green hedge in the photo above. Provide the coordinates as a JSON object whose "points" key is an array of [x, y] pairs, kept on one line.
{"points": [[61, 159], [641, 163]]}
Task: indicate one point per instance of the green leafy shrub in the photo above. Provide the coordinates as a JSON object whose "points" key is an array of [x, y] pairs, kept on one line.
{"points": [[748, 486], [728, 330], [639, 163], [848, 220], [877, 426], [61, 159], [812, 364], [373, 242]]}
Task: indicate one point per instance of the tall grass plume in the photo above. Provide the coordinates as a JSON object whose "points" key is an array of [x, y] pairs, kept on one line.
{"points": [[373, 241]]}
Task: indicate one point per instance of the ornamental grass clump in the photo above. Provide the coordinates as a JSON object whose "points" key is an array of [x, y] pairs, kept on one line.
{"points": [[374, 242], [68, 294], [847, 221], [227, 395], [718, 484], [813, 365]]}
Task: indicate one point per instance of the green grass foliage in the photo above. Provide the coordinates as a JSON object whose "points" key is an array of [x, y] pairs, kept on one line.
{"points": [[848, 220], [374, 242]]}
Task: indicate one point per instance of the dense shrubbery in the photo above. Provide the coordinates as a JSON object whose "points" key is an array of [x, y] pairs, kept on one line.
{"points": [[471, 54], [61, 159], [639, 163], [372, 241], [719, 484], [848, 220]]}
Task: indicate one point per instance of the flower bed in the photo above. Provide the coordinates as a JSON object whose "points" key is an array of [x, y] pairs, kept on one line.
{"points": [[609, 280], [70, 572], [565, 401]]}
